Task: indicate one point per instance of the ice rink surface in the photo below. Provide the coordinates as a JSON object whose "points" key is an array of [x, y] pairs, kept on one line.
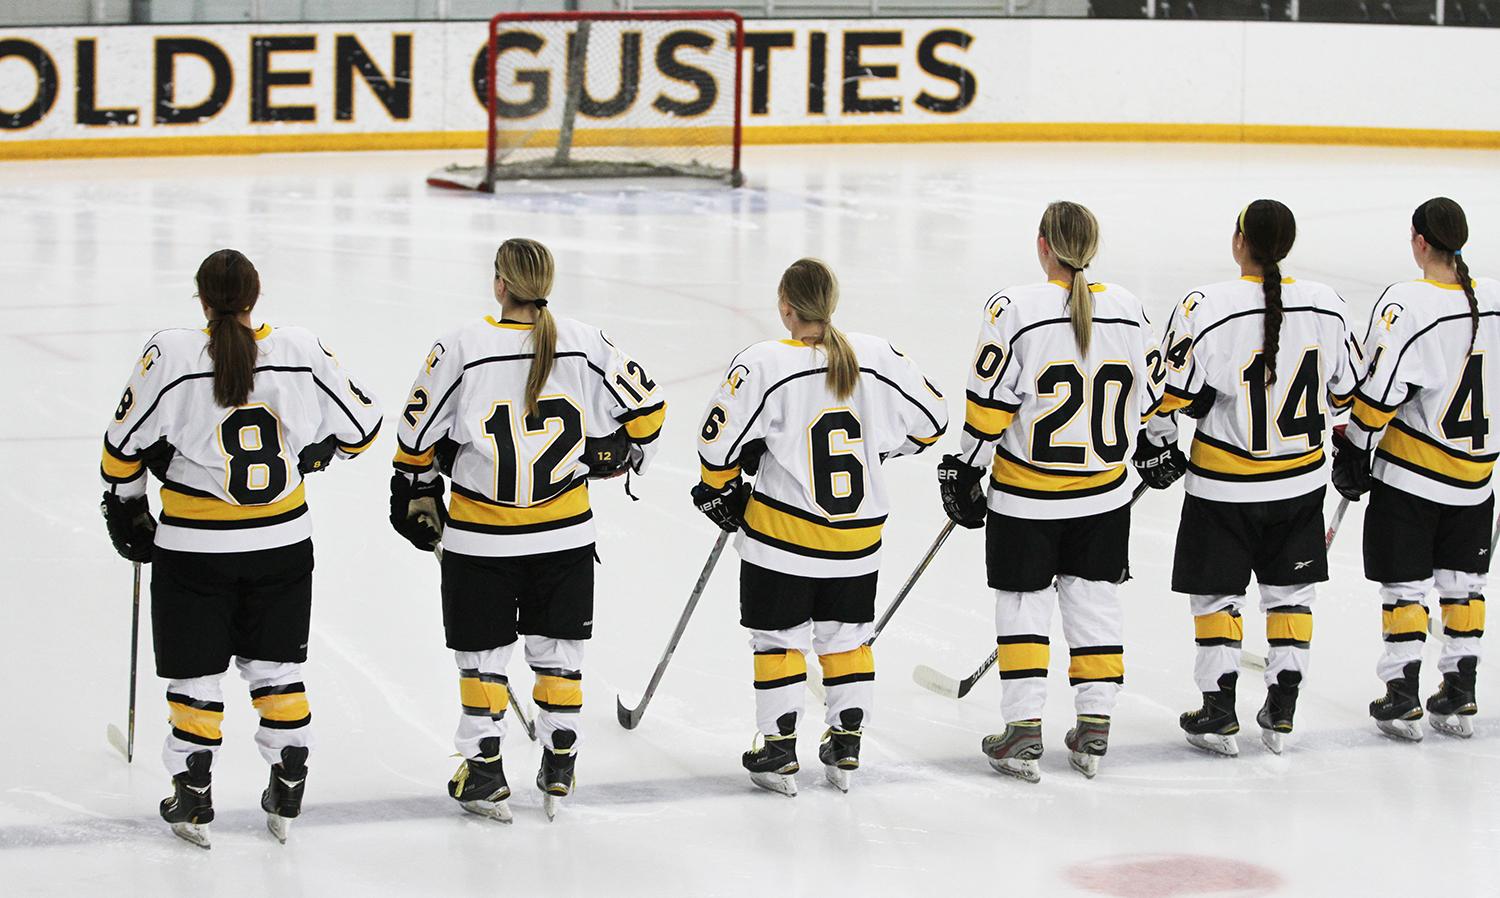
{"points": [[97, 255]]}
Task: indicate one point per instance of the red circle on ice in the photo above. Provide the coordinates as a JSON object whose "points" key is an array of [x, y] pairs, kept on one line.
{"points": [[1170, 875]]}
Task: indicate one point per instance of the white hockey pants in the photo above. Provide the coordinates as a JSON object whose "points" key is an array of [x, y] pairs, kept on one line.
{"points": [[483, 691], [197, 710], [781, 671], [1093, 622], [1404, 614], [1220, 631]]}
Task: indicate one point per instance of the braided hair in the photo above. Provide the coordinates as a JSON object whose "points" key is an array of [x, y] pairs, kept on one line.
{"points": [[1269, 229], [1442, 224]]}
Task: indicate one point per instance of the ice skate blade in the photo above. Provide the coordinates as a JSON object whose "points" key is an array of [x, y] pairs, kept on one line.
{"points": [[279, 826], [1272, 740], [1084, 763], [1405, 730], [1227, 746], [499, 811], [780, 783], [837, 776], [196, 833], [1026, 771], [549, 805], [1458, 725]]}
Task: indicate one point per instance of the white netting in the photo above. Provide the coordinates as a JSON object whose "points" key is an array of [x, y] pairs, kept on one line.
{"points": [[657, 96]]}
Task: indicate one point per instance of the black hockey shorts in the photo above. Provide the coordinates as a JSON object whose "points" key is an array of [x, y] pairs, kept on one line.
{"points": [[1220, 543], [488, 600], [1025, 555], [771, 600], [208, 607], [1408, 537]]}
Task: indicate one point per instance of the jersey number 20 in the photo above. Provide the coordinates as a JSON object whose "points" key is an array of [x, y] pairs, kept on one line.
{"points": [[1108, 397]]}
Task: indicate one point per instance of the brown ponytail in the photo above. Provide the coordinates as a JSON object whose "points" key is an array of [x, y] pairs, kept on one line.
{"points": [[527, 269], [1072, 235], [1442, 223], [812, 291], [229, 285], [1269, 229]]}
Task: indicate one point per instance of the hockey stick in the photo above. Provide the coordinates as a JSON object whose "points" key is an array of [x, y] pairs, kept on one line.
{"points": [[943, 684], [125, 744], [526, 723], [630, 718]]}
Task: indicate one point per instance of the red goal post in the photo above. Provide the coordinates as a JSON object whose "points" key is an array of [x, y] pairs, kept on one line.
{"points": [[609, 95]]}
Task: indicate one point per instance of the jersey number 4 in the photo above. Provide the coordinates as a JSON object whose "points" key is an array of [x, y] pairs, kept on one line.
{"points": [[1466, 418], [1301, 413], [250, 437], [561, 446]]}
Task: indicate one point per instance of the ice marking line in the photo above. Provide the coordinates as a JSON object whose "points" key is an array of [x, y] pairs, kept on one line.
{"points": [[53, 799], [394, 695]]}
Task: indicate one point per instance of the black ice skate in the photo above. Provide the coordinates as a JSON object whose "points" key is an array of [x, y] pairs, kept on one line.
{"points": [[555, 778], [1398, 712], [1087, 742], [1213, 726], [1016, 751], [774, 766], [282, 800], [839, 751], [191, 807], [1453, 704], [1275, 716], [479, 784]]}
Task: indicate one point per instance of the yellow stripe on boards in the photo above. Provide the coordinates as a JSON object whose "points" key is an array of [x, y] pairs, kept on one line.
{"points": [[987, 420], [779, 666], [557, 691], [646, 426], [1022, 656], [1212, 458], [801, 532], [841, 664], [1096, 667], [205, 508], [1403, 619], [574, 502], [1009, 472], [283, 706], [1464, 618], [1281, 625], [1219, 625], [196, 720], [1425, 455]]}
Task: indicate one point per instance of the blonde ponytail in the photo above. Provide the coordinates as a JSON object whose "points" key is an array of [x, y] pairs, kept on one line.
{"points": [[1072, 235], [810, 288], [527, 269]]}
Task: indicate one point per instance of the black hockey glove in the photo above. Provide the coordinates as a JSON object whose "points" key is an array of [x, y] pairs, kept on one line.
{"points": [[750, 456], [725, 506], [1201, 403], [417, 511], [318, 456], [1351, 466], [607, 456], [1159, 466], [962, 492], [131, 527]]}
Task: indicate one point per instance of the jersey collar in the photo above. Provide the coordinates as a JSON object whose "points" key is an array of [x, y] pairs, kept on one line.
{"points": [[1256, 280], [1442, 286], [513, 325]]}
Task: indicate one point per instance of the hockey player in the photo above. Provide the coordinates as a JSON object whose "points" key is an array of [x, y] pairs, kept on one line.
{"points": [[230, 419], [1422, 407], [814, 417], [518, 411], [1257, 361], [1063, 375]]}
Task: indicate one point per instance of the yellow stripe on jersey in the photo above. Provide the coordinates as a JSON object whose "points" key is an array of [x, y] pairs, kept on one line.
{"points": [[646, 426], [1171, 402], [196, 721], [119, 469], [717, 479], [1403, 619], [1216, 460], [570, 504], [557, 693], [1221, 625], [774, 667], [924, 441], [476, 693], [854, 662], [1023, 656], [798, 531], [209, 508], [1370, 417], [1014, 474], [1425, 455], [989, 421], [1294, 626], [421, 460], [285, 706], [1463, 617], [1101, 666]]}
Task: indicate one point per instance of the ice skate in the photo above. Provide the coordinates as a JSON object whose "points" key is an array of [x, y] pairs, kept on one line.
{"points": [[1275, 716], [774, 764], [1398, 712], [1016, 751], [282, 799], [839, 750], [191, 807], [1453, 705], [1087, 742], [479, 784], [555, 778], [1213, 726]]}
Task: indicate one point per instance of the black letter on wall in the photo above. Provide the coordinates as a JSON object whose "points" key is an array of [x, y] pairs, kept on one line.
{"points": [[761, 43], [539, 79], [262, 79], [349, 56], [927, 59], [46, 84], [668, 64], [630, 79], [817, 71], [167, 51], [855, 71], [84, 93]]}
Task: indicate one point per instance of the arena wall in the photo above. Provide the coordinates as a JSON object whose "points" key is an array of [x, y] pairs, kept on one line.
{"points": [[250, 88]]}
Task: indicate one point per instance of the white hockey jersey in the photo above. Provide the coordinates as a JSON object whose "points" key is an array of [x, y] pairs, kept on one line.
{"points": [[1426, 391], [1055, 429], [519, 486], [1258, 442], [820, 497], [229, 476]]}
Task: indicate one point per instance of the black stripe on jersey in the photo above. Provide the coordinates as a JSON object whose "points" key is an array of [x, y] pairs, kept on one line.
{"points": [[735, 463], [639, 412], [356, 447], [1429, 473], [1448, 450], [246, 524], [808, 552], [1010, 347], [1257, 478], [176, 487], [1246, 454], [1378, 406], [1261, 311], [152, 408], [540, 527], [765, 397], [1013, 490], [1391, 371], [782, 507], [364, 437]]}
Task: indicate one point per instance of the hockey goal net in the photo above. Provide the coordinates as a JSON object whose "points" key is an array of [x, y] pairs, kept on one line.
{"points": [[609, 95]]}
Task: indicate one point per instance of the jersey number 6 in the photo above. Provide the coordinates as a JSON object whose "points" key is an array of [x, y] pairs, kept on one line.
{"points": [[838, 475]]}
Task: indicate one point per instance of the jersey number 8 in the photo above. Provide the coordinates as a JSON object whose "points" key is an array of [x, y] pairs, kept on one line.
{"points": [[250, 438]]}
